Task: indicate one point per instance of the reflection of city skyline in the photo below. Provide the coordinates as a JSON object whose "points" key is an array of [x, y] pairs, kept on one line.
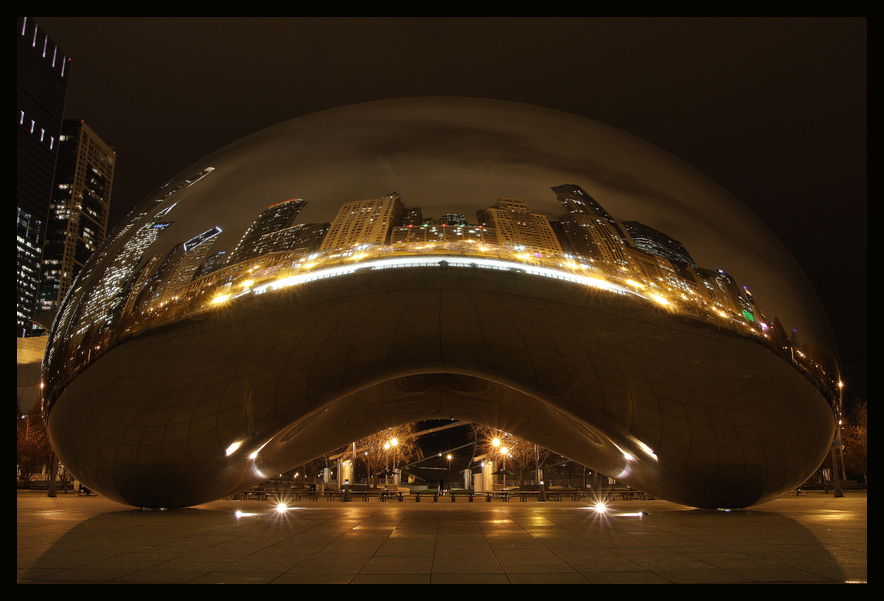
{"points": [[137, 292], [585, 232]]}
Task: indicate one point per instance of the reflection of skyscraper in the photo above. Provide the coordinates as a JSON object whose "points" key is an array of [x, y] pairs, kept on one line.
{"points": [[273, 219], [41, 79], [112, 287], [181, 264], [301, 238], [657, 243], [412, 216], [653, 269], [212, 263], [576, 201], [364, 222], [78, 215], [428, 233], [591, 231], [722, 289], [519, 228], [454, 219]]}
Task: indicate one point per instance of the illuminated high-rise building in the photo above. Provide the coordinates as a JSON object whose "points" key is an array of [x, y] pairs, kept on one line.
{"points": [[118, 283], [364, 222], [79, 209], [41, 78], [518, 228]]}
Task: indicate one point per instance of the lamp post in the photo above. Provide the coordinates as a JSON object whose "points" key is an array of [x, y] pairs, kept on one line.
{"points": [[394, 443], [541, 495], [837, 442], [503, 451]]}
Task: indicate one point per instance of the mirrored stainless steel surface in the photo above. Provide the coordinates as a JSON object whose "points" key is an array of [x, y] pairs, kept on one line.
{"points": [[403, 260]]}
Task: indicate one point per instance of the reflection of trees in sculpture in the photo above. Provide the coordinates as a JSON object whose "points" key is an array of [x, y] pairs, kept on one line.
{"points": [[306, 472]]}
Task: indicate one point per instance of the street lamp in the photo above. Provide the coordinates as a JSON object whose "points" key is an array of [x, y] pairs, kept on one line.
{"points": [[503, 451], [541, 495], [394, 443], [837, 442]]}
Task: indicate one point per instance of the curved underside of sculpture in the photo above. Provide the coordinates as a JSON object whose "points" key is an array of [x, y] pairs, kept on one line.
{"points": [[197, 410]]}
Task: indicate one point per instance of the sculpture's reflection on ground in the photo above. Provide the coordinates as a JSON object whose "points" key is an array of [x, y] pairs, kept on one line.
{"points": [[808, 539]]}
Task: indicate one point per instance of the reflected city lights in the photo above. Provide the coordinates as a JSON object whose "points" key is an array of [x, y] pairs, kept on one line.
{"points": [[307, 253]]}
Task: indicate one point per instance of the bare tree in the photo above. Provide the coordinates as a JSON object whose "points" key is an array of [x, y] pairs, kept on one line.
{"points": [[387, 449], [33, 451], [854, 438], [513, 452]]}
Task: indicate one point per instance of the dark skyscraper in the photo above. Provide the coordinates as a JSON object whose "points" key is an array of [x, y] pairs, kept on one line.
{"points": [[301, 238], [590, 230], [180, 265], [576, 201], [272, 219], [454, 219], [41, 77], [657, 243], [412, 216]]}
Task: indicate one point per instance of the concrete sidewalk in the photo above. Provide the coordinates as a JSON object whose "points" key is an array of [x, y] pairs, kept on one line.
{"points": [[812, 538]]}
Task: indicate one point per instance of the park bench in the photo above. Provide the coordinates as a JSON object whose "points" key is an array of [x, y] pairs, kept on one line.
{"points": [[359, 491], [498, 494], [461, 492], [383, 495], [424, 492], [629, 495], [306, 494], [257, 492]]}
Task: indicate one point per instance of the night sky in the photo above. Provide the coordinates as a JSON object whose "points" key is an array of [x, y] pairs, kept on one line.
{"points": [[773, 109]]}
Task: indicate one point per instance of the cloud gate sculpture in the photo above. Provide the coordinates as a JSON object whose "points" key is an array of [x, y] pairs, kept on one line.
{"points": [[397, 261]]}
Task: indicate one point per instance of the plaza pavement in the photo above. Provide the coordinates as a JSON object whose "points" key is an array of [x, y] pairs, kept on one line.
{"points": [[811, 538]]}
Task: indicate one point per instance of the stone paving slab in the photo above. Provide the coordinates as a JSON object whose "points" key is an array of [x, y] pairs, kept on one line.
{"points": [[812, 538]]}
